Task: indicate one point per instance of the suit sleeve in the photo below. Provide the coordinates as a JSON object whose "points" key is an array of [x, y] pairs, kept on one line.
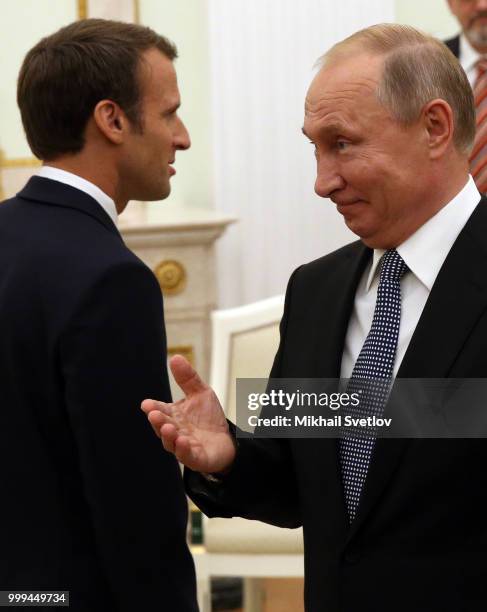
{"points": [[262, 483], [113, 355]]}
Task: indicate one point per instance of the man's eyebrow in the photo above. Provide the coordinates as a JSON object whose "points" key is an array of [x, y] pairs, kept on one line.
{"points": [[331, 128]]}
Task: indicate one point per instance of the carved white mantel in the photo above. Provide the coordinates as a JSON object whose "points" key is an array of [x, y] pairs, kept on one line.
{"points": [[179, 247]]}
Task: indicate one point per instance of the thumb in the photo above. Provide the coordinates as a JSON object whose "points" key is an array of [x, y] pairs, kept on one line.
{"points": [[186, 376]]}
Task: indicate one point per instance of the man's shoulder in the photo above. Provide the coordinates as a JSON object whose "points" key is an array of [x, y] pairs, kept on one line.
{"points": [[332, 262], [48, 205], [53, 230], [63, 244]]}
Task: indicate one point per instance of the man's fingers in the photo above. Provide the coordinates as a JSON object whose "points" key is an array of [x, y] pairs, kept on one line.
{"points": [[186, 376], [177, 444], [148, 405], [184, 452], [169, 434], [157, 419]]}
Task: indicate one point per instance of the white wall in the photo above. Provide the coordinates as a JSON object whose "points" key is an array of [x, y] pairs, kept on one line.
{"points": [[432, 16], [22, 24], [186, 23]]}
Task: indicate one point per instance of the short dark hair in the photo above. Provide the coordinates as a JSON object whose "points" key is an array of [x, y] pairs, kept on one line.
{"points": [[66, 74]]}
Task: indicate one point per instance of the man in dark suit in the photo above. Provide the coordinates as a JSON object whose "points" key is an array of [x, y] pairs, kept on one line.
{"points": [[470, 47], [83, 340], [389, 524]]}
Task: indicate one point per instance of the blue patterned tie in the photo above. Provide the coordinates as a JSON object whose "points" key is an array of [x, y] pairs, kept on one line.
{"points": [[372, 375]]}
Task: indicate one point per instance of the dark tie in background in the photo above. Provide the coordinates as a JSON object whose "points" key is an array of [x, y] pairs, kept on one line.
{"points": [[478, 157], [372, 378]]}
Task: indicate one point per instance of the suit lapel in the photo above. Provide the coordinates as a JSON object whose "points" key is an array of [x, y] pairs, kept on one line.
{"points": [[337, 305], [335, 308], [55, 193], [456, 301]]}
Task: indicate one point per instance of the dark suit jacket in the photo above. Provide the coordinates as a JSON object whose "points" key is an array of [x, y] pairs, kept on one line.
{"points": [[419, 540], [89, 502], [454, 45]]}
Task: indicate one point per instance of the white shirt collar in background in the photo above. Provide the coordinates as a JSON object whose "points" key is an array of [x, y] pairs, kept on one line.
{"points": [[68, 178], [425, 251]]}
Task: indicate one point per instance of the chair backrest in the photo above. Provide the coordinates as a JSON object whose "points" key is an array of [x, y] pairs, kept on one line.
{"points": [[244, 343]]}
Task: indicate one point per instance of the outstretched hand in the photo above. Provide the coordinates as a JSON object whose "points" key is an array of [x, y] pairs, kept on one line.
{"points": [[194, 428]]}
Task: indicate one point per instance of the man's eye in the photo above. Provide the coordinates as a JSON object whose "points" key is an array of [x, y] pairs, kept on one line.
{"points": [[342, 144]]}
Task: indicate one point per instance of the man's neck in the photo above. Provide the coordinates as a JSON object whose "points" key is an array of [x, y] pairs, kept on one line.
{"points": [[437, 195], [98, 174]]}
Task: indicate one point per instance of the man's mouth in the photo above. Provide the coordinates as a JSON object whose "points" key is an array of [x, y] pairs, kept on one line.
{"points": [[345, 203]]}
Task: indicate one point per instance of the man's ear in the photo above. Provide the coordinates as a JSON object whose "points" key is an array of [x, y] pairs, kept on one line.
{"points": [[111, 121], [439, 125]]}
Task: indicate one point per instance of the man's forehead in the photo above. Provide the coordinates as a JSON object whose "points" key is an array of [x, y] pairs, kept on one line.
{"points": [[158, 78], [332, 103], [155, 66], [339, 93], [342, 94], [345, 79]]}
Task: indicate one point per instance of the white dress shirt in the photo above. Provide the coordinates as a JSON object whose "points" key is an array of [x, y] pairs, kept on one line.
{"points": [[68, 178], [424, 253], [468, 57]]}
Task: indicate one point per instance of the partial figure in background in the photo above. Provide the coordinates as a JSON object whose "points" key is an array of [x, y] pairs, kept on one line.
{"points": [[470, 47], [82, 329]]}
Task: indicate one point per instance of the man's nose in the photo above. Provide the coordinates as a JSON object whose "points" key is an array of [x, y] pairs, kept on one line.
{"points": [[481, 5], [328, 179], [182, 140]]}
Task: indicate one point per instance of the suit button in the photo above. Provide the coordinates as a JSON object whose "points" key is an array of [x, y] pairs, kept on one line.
{"points": [[352, 557]]}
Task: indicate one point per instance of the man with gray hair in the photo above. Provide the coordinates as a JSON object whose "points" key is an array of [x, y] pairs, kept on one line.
{"points": [[389, 524]]}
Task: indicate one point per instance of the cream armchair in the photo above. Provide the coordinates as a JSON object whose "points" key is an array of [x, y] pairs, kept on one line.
{"points": [[244, 343]]}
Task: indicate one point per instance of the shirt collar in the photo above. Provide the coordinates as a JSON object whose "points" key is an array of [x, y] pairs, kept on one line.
{"points": [[68, 178], [468, 55], [425, 251]]}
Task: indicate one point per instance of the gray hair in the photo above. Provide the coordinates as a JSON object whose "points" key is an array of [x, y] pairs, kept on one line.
{"points": [[417, 68]]}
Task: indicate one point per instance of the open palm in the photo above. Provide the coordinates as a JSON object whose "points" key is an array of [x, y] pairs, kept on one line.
{"points": [[193, 428]]}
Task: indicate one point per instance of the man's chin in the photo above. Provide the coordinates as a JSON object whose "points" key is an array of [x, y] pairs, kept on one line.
{"points": [[356, 227], [155, 195], [371, 239]]}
